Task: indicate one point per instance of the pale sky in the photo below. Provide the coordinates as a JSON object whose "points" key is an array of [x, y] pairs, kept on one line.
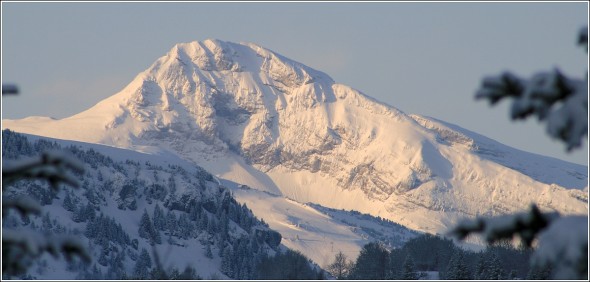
{"points": [[422, 58]]}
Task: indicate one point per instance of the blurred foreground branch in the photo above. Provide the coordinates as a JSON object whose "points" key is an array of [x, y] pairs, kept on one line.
{"points": [[20, 248]]}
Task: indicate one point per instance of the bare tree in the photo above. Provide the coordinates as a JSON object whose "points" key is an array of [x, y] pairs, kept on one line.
{"points": [[340, 267]]}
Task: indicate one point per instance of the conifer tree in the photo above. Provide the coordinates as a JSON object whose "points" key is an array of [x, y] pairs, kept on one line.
{"points": [[226, 261], [409, 269], [79, 215], [147, 229], [144, 225], [68, 204], [159, 220], [495, 271], [372, 263], [457, 269], [481, 270], [184, 226], [142, 266], [171, 224]]}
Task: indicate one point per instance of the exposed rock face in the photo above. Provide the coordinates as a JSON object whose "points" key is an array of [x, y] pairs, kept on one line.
{"points": [[272, 111]]}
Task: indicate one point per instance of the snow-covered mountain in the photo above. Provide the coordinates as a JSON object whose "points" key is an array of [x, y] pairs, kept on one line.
{"points": [[252, 116]]}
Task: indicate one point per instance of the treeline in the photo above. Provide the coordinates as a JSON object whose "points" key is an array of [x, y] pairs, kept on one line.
{"points": [[429, 253]]}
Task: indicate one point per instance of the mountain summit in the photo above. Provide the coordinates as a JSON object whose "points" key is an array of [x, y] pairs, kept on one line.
{"points": [[252, 116]]}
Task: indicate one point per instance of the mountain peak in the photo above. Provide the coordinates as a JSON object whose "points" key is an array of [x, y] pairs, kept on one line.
{"points": [[207, 55], [217, 55]]}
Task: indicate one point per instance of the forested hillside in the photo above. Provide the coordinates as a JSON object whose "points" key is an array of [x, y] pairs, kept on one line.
{"points": [[134, 215]]}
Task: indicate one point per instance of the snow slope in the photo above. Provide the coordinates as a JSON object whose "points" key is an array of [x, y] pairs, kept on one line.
{"points": [[252, 116], [541, 168], [316, 231]]}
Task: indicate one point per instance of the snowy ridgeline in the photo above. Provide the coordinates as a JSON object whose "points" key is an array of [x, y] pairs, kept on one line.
{"points": [[125, 212]]}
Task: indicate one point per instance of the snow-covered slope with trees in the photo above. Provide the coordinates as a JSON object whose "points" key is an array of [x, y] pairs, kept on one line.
{"points": [[319, 232], [120, 184], [125, 210], [252, 116]]}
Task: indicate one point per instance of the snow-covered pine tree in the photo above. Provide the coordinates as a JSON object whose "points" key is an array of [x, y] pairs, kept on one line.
{"points": [[195, 212], [116, 268], [68, 204], [185, 226], [89, 212], [144, 225], [171, 224], [79, 214], [224, 225], [172, 184], [147, 229], [226, 261], [142, 266], [159, 219]]}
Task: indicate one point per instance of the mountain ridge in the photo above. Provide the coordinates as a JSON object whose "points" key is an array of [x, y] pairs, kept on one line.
{"points": [[252, 116]]}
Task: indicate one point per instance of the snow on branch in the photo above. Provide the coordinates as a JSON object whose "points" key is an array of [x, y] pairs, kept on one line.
{"points": [[551, 96], [526, 225], [561, 101], [583, 37], [51, 166], [23, 204], [9, 89], [562, 240], [20, 247], [564, 245]]}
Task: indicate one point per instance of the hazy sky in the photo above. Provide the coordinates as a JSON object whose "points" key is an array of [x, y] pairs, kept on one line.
{"points": [[423, 58]]}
